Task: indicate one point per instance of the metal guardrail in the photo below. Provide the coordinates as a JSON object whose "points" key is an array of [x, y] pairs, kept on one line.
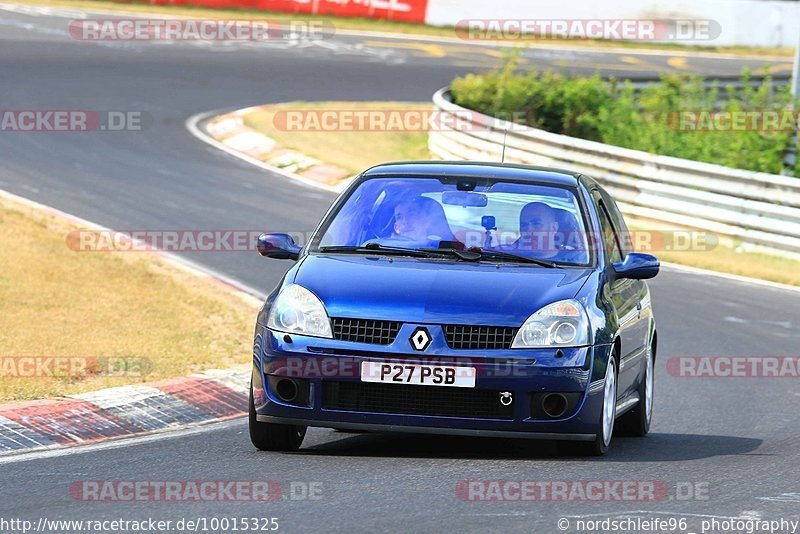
{"points": [[754, 210], [778, 80]]}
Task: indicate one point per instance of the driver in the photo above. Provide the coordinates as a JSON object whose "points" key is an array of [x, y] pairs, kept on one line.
{"points": [[538, 227]]}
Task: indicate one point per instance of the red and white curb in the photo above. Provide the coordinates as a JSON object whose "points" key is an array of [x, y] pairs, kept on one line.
{"points": [[123, 411], [214, 395]]}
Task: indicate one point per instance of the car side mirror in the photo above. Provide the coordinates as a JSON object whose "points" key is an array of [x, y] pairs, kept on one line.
{"points": [[278, 246], [637, 266]]}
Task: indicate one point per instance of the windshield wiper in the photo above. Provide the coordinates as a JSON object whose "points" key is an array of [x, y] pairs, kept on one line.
{"points": [[479, 254], [466, 255], [473, 254], [376, 248], [502, 254]]}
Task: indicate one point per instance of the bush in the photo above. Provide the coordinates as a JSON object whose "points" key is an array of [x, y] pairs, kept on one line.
{"points": [[613, 112]]}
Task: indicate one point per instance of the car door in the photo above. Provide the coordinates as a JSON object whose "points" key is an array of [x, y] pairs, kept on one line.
{"points": [[644, 326], [624, 297]]}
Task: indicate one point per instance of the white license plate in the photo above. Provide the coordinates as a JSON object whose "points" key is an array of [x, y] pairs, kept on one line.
{"points": [[424, 375]]}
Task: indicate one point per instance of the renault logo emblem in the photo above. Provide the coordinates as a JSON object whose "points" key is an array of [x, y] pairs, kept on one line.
{"points": [[420, 339]]}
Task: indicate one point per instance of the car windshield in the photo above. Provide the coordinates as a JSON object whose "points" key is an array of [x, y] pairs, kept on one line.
{"points": [[505, 221]]}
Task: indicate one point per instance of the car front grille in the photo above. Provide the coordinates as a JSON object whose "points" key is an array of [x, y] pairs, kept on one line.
{"points": [[469, 337], [365, 330], [415, 400], [460, 337]]}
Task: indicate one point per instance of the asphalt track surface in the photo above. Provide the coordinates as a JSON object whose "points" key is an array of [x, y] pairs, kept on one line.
{"points": [[734, 440]]}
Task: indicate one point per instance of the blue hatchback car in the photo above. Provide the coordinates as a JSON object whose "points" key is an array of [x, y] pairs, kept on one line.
{"points": [[459, 298]]}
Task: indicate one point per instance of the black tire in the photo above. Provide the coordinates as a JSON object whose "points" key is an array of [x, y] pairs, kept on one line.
{"points": [[272, 436], [636, 423]]}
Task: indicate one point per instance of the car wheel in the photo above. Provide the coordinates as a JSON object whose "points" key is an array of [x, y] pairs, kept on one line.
{"points": [[636, 422], [608, 414], [605, 426], [272, 436]]}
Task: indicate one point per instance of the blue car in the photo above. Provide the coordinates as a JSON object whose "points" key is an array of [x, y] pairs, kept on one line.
{"points": [[459, 298]]}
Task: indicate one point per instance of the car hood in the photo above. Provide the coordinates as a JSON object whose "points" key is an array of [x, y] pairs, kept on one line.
{"points": [[435, 291]]}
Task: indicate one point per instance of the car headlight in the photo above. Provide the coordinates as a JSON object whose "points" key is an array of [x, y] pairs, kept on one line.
{"points": [[561, 324], [297, 310]]}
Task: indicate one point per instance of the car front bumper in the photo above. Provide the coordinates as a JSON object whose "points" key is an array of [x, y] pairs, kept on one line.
{"points": [[323, 367]]}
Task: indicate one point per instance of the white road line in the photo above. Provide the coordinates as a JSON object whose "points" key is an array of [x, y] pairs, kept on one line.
{"points": [[751, 514], [40, 11], [731, 277], [784, 497], [158, 435]]}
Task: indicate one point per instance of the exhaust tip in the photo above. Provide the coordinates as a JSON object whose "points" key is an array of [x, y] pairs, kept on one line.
{"points": [[554, 405], [287, 389]]}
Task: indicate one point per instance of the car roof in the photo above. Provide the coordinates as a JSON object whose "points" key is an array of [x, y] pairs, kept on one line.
{"points": [[474, 169]]}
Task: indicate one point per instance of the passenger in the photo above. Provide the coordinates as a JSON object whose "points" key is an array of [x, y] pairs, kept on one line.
{"points": [[423, 221]]}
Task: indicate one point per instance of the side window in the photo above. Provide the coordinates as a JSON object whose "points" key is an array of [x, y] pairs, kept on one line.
{"points": [[623, 234], [610, 239]]}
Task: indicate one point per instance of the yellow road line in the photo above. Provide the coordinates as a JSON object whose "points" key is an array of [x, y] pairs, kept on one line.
{"points": [[678, 63], [430, 50], [631, 60], [772, 69], [609, 66]]}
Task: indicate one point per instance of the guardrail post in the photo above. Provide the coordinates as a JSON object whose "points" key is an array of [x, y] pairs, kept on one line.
{"points": [[790, 158]]}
